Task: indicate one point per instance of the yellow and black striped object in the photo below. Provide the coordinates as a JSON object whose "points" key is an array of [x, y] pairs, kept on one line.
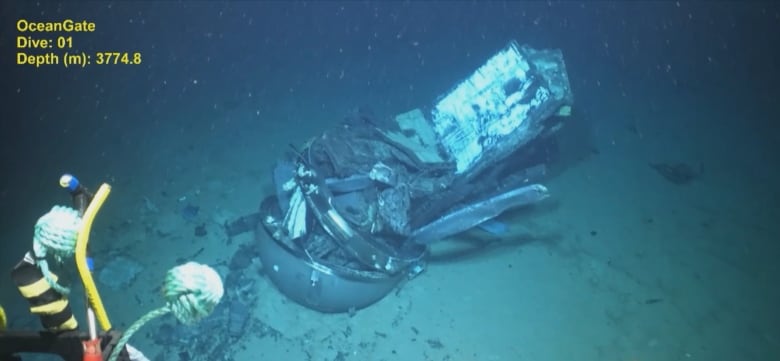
{"points": [[51, 306]]}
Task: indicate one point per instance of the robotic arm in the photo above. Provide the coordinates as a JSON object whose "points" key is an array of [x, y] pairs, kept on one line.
{"points": [[63, 233]]}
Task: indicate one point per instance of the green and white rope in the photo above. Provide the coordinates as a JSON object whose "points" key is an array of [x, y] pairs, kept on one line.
{"points": [[191, 291], [56, 233]]}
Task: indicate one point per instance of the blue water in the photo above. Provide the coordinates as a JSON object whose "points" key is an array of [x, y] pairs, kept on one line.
{"points": [[619, 263]]}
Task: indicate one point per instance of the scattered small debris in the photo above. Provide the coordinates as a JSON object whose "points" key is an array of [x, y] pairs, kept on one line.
{"points": [[200, 230], [242, 258], [184, 356], [238, 317], [678, 173], [434, 343], [190, 212]]}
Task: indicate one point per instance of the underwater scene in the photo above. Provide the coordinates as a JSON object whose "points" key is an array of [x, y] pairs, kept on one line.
{"points": [[389, 180]]}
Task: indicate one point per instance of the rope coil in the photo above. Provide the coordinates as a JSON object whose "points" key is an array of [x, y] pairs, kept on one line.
{"points": [[56, 233], [191, 291]]}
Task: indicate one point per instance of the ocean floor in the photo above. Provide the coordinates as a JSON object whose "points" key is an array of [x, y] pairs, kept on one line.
{"points": [[619, 264]]}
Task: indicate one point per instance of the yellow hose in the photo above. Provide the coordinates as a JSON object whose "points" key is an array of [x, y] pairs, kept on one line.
{"points": [[2, 319], [81, 256]]}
